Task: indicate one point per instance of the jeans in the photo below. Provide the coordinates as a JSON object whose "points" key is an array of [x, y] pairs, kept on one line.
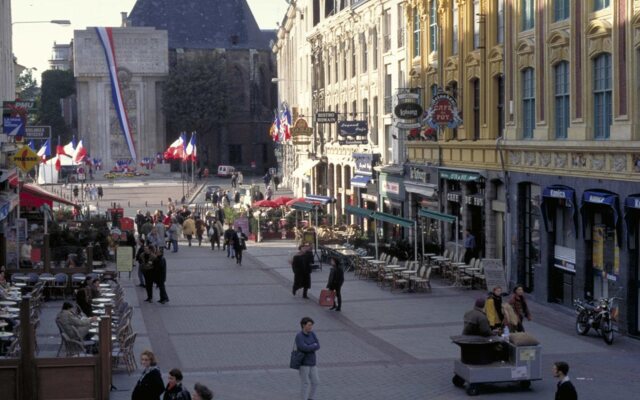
{"points": [[175, 245], [309, 382], [239, 257], [230, 251]]}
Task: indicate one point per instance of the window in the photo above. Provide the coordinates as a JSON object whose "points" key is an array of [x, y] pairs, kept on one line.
{"points": [[365, 109], [374, 41], [329, 8], [345, 57], [476, 108], [401, 78], [500, 22], [235, 154], [335, 64], [416, 33], [434, 90], [387, 90], [365, 52], [527, 14], [316, 12], [476, 24], [353, 57], [386, 31], [601, 4], [500, 105], [433, 26], [265, 153], [401, 24], [602, 96], [329, 71], [454, 31], [339, 118], [374, 123], [561, 92], [354, 109], [560, 10], [528, 103]]}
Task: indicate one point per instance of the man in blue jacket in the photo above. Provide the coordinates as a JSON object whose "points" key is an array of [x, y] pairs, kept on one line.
{"points": [[307, 342]]}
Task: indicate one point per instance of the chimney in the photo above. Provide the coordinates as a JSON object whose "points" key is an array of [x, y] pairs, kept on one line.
{"points": [[125, 21]]}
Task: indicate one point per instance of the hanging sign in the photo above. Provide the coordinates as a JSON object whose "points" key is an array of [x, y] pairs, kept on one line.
{"points": [[353, 132], [443, 112]]}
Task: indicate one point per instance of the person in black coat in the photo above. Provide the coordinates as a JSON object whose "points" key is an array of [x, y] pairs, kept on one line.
{"points": [[301, 272], [150, 385], [160, 268], [565, 390], [336, 279], [239, 243], [149, 265], [174, 389]]}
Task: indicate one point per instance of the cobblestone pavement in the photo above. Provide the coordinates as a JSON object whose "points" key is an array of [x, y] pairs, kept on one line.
{"points": [[232, 328]]}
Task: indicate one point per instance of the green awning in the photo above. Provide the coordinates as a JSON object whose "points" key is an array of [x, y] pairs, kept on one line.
{"points": [[361, 212], [436, 215], [392, 219], [462, 176], [302, 206]]}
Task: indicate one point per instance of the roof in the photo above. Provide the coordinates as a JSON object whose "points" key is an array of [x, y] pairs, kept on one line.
{"points": [[202, 24]]}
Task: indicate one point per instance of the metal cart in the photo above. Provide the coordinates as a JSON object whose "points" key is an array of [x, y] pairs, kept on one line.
{"points": [[494, 360]]}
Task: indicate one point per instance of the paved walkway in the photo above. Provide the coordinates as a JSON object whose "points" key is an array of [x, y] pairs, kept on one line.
{"points": [[232, 328]]}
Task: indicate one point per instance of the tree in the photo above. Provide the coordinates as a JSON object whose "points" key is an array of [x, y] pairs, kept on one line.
{"points": [[27, 85], [195, 97], [56, 85]]}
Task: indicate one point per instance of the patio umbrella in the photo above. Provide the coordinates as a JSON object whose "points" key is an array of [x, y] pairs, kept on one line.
{"points": [[282, 200], [266, 204], [292, 201]]}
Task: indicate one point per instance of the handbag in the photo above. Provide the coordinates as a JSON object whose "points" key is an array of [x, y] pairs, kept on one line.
{"points": [[326, 298], [297, 357]]}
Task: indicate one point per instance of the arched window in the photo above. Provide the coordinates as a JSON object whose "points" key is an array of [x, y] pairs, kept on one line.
{"points": [[561, 93], [528, 103], [602, 114]]}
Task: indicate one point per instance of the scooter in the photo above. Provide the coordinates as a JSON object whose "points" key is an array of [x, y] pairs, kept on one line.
{"points": [[594, 315]]}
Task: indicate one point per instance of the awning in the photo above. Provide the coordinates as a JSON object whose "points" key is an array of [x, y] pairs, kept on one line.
{"points": [[423, 212], [303, 206], [424, 190], [315, 198], [360, 181], [631, 216], [361, 212], [459, 175], [34, 196], [599, 198], [559, 192], [304, 168], [392, 219]]}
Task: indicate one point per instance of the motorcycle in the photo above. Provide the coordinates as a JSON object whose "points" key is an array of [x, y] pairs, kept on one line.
{"points": [[596, 315]]}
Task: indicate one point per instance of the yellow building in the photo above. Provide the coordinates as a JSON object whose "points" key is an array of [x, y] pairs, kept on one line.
{"points": [[549, 153]]}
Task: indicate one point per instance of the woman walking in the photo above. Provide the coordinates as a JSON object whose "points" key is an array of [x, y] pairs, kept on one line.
{"points": [[188, 229], [336, 279], [150, 385], [519, 304], [307, 343], [239, 240]]}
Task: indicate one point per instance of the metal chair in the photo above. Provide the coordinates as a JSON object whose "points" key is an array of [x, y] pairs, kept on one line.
{"points": [[60, 283]]}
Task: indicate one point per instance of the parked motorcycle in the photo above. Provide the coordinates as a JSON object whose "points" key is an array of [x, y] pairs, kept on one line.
{"points": [[596, 315]]}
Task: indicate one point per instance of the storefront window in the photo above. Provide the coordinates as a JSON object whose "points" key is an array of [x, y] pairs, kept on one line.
{"points": [[530, 245]]}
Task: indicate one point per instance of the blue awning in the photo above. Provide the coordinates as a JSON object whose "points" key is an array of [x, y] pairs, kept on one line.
{"points": [[320, 199], [558, 192], [302, 206], [360, 181], [599, 198]]}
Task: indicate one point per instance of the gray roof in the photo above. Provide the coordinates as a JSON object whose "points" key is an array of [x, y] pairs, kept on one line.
{"points": [[202, 24]]}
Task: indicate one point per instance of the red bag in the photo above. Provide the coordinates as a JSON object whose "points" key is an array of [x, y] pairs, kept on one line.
{"points": [[326, 297]]}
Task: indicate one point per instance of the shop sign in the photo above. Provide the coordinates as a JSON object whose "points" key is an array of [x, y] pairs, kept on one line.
{"points": [[564, 258], [301, 132], [37, 132], [455, 197], [326, 117], [365, 163], [459, 176], [369, 197], [408, 110], [391, 187], [418, 174], [557, 194], [443, 112], [474, 201], [353, 132]]}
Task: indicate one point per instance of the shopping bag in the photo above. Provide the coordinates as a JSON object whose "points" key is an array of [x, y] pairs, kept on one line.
{"points": [[326, 297]]}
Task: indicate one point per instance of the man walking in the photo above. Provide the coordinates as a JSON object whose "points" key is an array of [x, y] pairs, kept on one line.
{"points": [[228, 237], [469, 246], [565, 390], [161, 274], [301, 272]]}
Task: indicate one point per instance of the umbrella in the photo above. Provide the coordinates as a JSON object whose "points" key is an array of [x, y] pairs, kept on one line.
{"points": [[282, 200], [266, 204], [292, 201]]}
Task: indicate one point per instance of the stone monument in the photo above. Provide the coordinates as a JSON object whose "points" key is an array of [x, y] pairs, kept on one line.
{"points": [[141, 59]]}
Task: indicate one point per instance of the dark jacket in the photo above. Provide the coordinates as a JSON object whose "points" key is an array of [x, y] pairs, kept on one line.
{"points": [[336, 278], [566, 391], [238, 241], [301, 271], [520, 306], [83, 299], [177, 392], [476, 323], [308, 344], [160, 269], [149, 387]]}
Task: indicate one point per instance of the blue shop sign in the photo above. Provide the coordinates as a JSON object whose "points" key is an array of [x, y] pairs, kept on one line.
{"points": [[365, 163]]}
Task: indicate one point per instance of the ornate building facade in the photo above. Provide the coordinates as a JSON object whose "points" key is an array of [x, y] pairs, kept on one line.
{"points": [[548, 153]]}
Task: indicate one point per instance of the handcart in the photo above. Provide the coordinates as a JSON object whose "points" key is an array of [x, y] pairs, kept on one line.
{"points": [[495, 360]]}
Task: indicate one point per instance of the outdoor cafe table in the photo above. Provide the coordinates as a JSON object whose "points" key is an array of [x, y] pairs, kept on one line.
{"points": [[334, 246], [8, 303], [22, 278], [346, 254], [3, 324], [9, 316]]}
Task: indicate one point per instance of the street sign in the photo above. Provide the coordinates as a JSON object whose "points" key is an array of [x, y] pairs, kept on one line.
{"points": [[13, 126], [26, 159], [326, 117], [37, 132]]}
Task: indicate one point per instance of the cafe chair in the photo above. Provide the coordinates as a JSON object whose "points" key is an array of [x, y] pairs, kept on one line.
{"points": [[423, 280], [70, 346], [33, 279], [60, 284], [77, 279], [13, 350]]}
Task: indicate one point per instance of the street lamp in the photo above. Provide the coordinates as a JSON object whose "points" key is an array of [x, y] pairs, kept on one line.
{"points": [[65, 22]]}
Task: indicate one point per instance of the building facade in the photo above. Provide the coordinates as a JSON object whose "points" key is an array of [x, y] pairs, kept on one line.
{"points": [[61, 56], [7, 74], [547, 150]]}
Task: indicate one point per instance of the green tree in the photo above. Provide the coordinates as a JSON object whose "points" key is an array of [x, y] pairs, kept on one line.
{"points": [[195, 96], [56, 85], [27, 85]]}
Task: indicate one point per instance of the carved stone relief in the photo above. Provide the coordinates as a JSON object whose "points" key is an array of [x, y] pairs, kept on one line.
{"points": [[515, 157], [545, 159], [578, 160], [530, 158], [560, 160], [598, 161], [619, 162]]}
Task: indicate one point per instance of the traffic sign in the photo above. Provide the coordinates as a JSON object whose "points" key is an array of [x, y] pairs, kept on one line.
{"points": [[13, 126], [26, 159]]}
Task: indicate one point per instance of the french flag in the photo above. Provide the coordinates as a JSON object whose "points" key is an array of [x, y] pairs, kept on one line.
{"points": [[70, 148], [176, 149], [45, 150], [286, 122], [80, 153], [191, 152]]}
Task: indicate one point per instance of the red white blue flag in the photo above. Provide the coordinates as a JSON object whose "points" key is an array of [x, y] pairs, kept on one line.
{"points": [[191, 152], [106, 38]]}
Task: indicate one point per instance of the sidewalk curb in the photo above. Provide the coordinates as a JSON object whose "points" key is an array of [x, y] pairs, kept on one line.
{"points": [[196, 193]]}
